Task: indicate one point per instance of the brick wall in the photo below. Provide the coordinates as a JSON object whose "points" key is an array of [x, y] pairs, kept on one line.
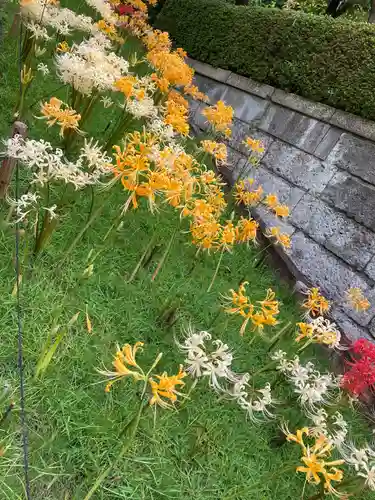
{"points": [[321, 163]]}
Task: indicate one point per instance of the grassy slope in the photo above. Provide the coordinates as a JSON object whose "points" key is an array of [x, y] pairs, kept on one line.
{"points": [[207, 451]]}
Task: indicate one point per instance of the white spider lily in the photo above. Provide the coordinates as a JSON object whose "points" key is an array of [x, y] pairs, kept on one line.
{"points": [[104, 10], [165, 133], [260, 405], [194, 342], [51, 211], [88, 66], [313, 388], [196, 363], [37, 31], [281, 357], [106, 101], [24, 205], [47, 164], [43, 68], [141, 108], [362, 460]]}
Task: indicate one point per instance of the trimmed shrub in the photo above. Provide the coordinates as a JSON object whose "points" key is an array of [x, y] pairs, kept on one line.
{"points": [[329, 61]]}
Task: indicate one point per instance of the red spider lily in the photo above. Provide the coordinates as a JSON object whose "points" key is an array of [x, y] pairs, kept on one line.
{"points": [[361, 374], [122, 10], [364, 347]]}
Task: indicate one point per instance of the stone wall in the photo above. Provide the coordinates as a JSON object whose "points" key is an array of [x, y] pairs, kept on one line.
{"points": [[321, 163]]}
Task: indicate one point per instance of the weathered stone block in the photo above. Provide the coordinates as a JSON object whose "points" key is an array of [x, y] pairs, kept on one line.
{"points": [[298, 103], [298, 167], [349, 327], [354, 197], [353, 123], [315, 218], [344, 237], [200, 120], [318, 266], [370, 269], [371, 327], [249, 85], [246, 107], [276, 120], [328, 143], [233, 158], [267, 220], [271, 183], [299, 130], [363, 318], [241, 130], [213, 89], [356, 155], [193, 106], [221, 75], [352, 242]]}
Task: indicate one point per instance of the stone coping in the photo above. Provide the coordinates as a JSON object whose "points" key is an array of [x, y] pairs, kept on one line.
{"points": [[346, 121]]}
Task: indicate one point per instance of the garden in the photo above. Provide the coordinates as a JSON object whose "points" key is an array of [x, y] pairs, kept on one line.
{"points": [[149, 350]]}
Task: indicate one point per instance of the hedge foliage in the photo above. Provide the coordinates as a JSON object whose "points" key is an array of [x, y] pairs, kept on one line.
{"points": [[325, 60]]}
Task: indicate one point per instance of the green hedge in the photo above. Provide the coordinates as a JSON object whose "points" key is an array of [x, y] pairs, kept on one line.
{"points": [[325, 60]]}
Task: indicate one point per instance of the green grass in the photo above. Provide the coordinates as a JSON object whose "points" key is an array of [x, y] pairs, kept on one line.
{"points": [[207, 450]]}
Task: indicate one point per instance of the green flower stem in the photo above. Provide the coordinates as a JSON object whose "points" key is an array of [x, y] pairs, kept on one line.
{"points": [[92, 218], [276, 339], [143, 256], [117, 220], [88, 109], [124, 122], [48, 226], [164, 256], [92, 202], [262, 251], [216, 271], [269, 367]]}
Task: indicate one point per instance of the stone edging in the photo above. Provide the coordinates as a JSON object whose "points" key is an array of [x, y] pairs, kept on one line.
{"points": [[346, 121], [321, 163]]}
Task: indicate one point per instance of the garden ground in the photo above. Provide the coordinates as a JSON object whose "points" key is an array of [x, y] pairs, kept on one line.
{"points": [[207, 450]]}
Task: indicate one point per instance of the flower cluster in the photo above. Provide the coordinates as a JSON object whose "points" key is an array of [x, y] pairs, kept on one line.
{"points": [[319, 331], [363, 462], [109, 30], [47, 13], [176, 114], [361, 370], [49, 164], [312, 388], [246, 194], [250, 196], [219, 117], [315, 304], [164, 392], [24, 205], [148, 169], [315, 465], [333, 426], [262, 313], [89, 66], [163, 388], [55, 111], [357, 300], [216, 149], [278, 237], [138, 96], [215, 364], [255, 145]]}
